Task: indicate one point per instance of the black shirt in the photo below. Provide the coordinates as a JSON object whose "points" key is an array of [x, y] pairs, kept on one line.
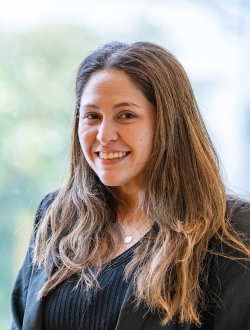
{"points": [[68, 308]]}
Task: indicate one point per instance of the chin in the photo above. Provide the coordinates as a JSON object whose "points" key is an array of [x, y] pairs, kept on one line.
{"points": [[111, 182]]}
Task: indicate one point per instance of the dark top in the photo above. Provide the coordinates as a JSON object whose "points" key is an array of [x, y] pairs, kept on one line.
{"points": [[227, 289], [67, 307]]}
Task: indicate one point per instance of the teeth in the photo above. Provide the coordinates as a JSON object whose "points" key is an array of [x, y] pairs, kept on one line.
{"points": [[112, 155]]}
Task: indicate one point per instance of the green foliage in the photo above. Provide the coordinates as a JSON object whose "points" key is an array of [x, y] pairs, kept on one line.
{"points": [[37, 73]]}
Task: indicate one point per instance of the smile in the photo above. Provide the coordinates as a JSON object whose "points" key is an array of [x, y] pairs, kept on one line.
{"points": [[112, 155]]}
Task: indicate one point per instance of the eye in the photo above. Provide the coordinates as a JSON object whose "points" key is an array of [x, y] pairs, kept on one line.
{"points": [[127, 115], [91, 116]]}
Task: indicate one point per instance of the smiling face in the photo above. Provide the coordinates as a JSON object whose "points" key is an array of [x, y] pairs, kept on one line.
{"points": [[116, 128]]}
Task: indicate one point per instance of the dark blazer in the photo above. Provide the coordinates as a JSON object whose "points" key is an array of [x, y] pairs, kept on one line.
{"points": [[227, 291]]}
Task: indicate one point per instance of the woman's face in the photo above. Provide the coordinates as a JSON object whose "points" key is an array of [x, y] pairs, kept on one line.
{"points": [[116, 128]]}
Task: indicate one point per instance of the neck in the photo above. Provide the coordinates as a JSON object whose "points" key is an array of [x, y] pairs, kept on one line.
{"points": [[134, 225], [130, 194]]}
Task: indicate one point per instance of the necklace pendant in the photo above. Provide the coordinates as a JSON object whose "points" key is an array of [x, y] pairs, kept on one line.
{"points": [[128, 239]]}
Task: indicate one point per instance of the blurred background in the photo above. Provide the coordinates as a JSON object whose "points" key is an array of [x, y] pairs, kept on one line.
{"points": [[41, 45]]}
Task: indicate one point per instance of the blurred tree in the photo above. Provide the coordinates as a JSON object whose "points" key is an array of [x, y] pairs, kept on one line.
{"points": [[37, 72]]}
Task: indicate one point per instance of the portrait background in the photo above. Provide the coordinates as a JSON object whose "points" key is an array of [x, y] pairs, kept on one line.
{"points": [[41, 45]]}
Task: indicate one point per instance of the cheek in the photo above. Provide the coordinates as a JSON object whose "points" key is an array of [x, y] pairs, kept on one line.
{"points": [[85, 136], [140, 139], [146, 145], [145, 138], [81, 139]]}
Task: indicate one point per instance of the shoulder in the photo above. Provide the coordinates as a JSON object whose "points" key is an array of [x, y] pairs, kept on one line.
{"points": [[238, 213], [228, 288], [226, 260], [29, 278], [44, 205]]}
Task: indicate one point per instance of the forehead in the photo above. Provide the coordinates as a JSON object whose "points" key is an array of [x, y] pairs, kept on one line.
{"points": [[108, 79], [110, 84]]}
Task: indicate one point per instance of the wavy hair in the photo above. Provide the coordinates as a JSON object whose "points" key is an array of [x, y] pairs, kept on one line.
{"points": [[181, 192]]}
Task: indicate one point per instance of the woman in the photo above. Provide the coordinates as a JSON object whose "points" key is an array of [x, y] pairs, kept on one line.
{"points": [[141, 235]]}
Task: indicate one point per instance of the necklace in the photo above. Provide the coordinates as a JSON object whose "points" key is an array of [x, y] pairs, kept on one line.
{"points": [[129, 238]]}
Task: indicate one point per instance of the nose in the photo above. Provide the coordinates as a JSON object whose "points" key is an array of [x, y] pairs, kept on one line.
{"points": [[107, 132]]}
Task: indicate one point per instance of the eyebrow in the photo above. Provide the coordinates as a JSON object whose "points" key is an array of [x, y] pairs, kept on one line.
{"points": [[116, 106]]}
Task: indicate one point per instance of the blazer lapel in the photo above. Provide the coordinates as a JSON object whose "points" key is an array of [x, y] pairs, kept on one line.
{"points": [[139, 318], [130, 317], [33, 312]]}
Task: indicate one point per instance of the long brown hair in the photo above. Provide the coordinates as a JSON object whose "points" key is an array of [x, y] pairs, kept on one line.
{"points": [[181, 192]]}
